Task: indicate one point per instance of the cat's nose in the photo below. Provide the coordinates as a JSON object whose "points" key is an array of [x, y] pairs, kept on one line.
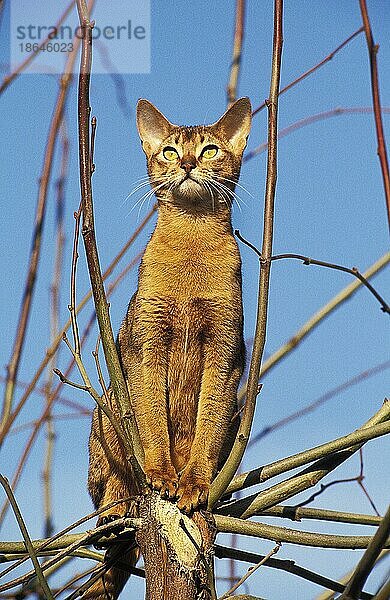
{"points": [[188, 163]]}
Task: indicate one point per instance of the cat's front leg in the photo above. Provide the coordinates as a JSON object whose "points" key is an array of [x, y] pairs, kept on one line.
{"points": [[147, 382], [217, 403]]}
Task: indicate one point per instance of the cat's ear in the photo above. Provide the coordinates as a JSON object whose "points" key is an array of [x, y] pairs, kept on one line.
{"points": [[235, 124], [152, 126]]}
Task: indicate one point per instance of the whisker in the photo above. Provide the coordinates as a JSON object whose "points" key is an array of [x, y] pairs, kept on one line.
{"points": [[237, 184], [232, 194]]}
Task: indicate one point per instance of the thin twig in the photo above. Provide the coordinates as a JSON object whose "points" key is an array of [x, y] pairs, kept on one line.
{"points": [[284, 565], [13, 366], [227, 472], [379, 422], [41, 545], [8, 79], [26, 537], [54, 395], [328, 395], [321, 116], [114, 368], [54, 327], [54, 346], [73, 304], [73, 542], [382, 152], [317, 318], [357, 479], [250, 571], [312, 261], [310, 71], [239, 29]]}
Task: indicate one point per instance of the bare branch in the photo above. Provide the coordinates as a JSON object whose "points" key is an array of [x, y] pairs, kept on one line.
{"points": [[13, 365], [368, 560], [379, 422], [8, 79], [321, 116], [284, 534], [227, 472], [284, 565], [26, 537], [328, 395], [382, 152], [298, 513], [312, 261], [237, 51], [310, 71], [316, 319], [250, 572], [54, 346], [117, 379]]}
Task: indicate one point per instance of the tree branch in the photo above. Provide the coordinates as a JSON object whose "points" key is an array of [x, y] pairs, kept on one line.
{"points": [[321, 116], [284, 534], [312, 69], [8, 79], [27, 540], [227, 472], [298, 513], [250, 572], [382, 152], [237, 51], [312, 261], [113, 365], [368, 560], [284, 565], [13, 365], [378, 424], [316, 319]]}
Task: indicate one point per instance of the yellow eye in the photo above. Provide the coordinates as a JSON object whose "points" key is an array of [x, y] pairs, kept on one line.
{"points": [[170, 153], [209, 151]]}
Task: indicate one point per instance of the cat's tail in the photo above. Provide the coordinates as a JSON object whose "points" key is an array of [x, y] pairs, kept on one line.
{"points": [[109, 584]]}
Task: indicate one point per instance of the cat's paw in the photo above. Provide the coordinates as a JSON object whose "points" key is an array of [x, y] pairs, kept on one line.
{"points": [[164, 480], [106, 519], [193, 490]]}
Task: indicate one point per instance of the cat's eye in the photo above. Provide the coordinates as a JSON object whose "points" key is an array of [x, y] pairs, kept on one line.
{"points": [[209, 151], [170, 153]]}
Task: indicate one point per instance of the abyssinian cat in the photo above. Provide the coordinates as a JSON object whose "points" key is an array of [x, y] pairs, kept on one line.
{"points": [[181, 343]]}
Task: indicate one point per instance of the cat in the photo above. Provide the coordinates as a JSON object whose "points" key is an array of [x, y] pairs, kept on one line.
{"points": [[181, 343]]}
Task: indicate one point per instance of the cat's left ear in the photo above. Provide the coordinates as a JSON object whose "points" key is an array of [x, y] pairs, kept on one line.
{"points": [[235, 124], [152, 126]]}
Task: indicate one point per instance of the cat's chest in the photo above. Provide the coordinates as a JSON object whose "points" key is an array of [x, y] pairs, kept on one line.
{"points": [[188, 275]]}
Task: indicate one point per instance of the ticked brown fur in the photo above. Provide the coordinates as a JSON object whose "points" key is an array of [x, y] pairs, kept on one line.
{"points": [[181, 342]]}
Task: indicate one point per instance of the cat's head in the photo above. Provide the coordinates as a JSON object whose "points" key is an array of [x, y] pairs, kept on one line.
{"points": [[194, 167]]}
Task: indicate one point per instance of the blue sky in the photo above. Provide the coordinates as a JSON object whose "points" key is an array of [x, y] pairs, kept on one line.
{"points": [[329, 205]]}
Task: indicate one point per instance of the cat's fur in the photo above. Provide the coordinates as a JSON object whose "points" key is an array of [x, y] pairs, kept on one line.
{"points": [[181, 342]]}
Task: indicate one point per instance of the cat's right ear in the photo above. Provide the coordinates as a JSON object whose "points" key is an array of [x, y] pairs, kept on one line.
{"points": [[152, 126]]}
